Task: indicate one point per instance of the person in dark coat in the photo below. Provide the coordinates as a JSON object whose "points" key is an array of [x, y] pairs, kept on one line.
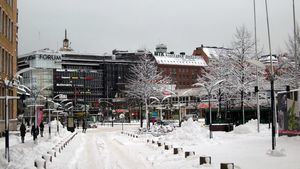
{"points": [[83, 126], [42, 129], [22, 131], [32, 129]]}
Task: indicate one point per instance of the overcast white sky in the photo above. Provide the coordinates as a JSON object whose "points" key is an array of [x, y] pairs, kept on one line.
{"points": [[103, 25]]}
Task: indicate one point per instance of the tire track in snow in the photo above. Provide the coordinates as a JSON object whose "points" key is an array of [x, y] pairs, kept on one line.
{"points": [[116, 155]]}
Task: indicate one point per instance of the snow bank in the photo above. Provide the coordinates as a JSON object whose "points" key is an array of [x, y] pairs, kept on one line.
{"points": [[23, 155]]}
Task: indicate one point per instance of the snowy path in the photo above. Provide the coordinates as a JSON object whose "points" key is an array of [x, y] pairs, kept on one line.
{"points": [[99, 148]]}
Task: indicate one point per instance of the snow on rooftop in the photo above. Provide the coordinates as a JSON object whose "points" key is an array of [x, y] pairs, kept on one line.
{"points": [[184, 60], [214, 52], [45, 51]]}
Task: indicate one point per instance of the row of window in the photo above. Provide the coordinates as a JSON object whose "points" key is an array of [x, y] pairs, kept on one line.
{"points": [[184, 70], [6, 25], [9, 2], [6, 60]]}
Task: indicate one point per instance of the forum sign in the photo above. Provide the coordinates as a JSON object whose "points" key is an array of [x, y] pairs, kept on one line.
{"points": [[47, 60]]}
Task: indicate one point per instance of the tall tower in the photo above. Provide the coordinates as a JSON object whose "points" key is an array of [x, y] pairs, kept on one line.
{"points": [[66, 43]]}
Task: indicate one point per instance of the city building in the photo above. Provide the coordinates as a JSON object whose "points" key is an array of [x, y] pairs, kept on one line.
{"points": [[211, 54], [8, 58], [93, 83], [183, 69]]}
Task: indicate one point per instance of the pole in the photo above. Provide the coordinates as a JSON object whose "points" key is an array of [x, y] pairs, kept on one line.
{"points": [[84, 96], [147, 113], [179, 110], [6, 125], [295, 48], [141, 116], [271, 82], [256, 69], [49, 120], [57, 126], [210, 116]]}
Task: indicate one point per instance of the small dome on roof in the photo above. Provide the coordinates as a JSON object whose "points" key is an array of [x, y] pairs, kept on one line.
{"points": [[161, 48]]}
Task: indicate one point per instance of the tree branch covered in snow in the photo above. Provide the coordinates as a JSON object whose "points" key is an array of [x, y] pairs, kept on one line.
{"points": [[145, 80]]}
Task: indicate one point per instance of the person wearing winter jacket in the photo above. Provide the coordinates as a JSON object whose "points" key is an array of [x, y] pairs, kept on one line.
{"points": [[42, 129], [22, 131]]}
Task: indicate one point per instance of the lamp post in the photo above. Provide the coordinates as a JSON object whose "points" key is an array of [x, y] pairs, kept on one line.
{"points": [[178, 102], [295, 48], [35, 93], [160, 102], [271, 81], [209, 89], [256, 87], [10, 83]]}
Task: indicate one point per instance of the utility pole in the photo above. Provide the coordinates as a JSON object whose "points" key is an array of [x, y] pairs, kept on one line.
{"points": [[295, 48], [257, 77], [271, 81]]}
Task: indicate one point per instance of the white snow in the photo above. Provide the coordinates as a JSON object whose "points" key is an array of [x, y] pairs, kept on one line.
{"points": [[106, 148]]}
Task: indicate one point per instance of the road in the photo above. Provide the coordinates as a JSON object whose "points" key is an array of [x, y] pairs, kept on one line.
{"points": [[101, 148]]}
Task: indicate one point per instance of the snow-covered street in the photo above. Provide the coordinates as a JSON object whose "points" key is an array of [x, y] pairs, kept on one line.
{"points": [[102, 147]]}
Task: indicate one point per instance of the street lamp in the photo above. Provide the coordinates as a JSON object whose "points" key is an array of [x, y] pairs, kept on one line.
{"points": [[10, 83], [178, 102], [272, 77], [209, 89], [35, 93], [160, 102]]}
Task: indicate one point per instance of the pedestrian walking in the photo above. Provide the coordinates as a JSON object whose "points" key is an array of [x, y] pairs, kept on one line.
{"points": [[32, 130], [22, 131], [42, 129], [83, 126]]}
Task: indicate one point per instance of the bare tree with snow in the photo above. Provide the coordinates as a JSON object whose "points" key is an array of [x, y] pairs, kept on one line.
{"points": [[244, 73], [145, 81]]}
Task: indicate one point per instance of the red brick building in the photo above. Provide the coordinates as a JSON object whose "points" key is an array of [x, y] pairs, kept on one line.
{"points": [[183, 69]]}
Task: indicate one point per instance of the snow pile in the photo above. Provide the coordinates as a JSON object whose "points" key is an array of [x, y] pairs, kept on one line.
{"points": [[249, 127], [189, 132], [276, 153]]}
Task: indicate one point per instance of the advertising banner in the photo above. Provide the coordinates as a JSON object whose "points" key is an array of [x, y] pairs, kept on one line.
{"points": [[40, 117], [288, 114]]}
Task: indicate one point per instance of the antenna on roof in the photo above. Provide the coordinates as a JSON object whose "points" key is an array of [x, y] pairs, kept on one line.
{"points": [[66, 34]]}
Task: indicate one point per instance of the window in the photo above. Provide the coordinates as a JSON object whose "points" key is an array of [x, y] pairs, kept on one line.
{"points": [[1, 65], [4, 61], [11, 31], [1, 20]]}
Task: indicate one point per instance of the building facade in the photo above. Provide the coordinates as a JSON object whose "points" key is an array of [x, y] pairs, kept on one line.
{"points": [[183, 69], [8, 57]]}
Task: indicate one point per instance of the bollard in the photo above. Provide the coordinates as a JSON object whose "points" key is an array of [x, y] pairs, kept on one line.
{"points": [[40, 163], [227, 166], [205, 160], [47, 157], [158, 144], [176, 150], [57, 149], [168, 147], [188, 153], [52, 153]]}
